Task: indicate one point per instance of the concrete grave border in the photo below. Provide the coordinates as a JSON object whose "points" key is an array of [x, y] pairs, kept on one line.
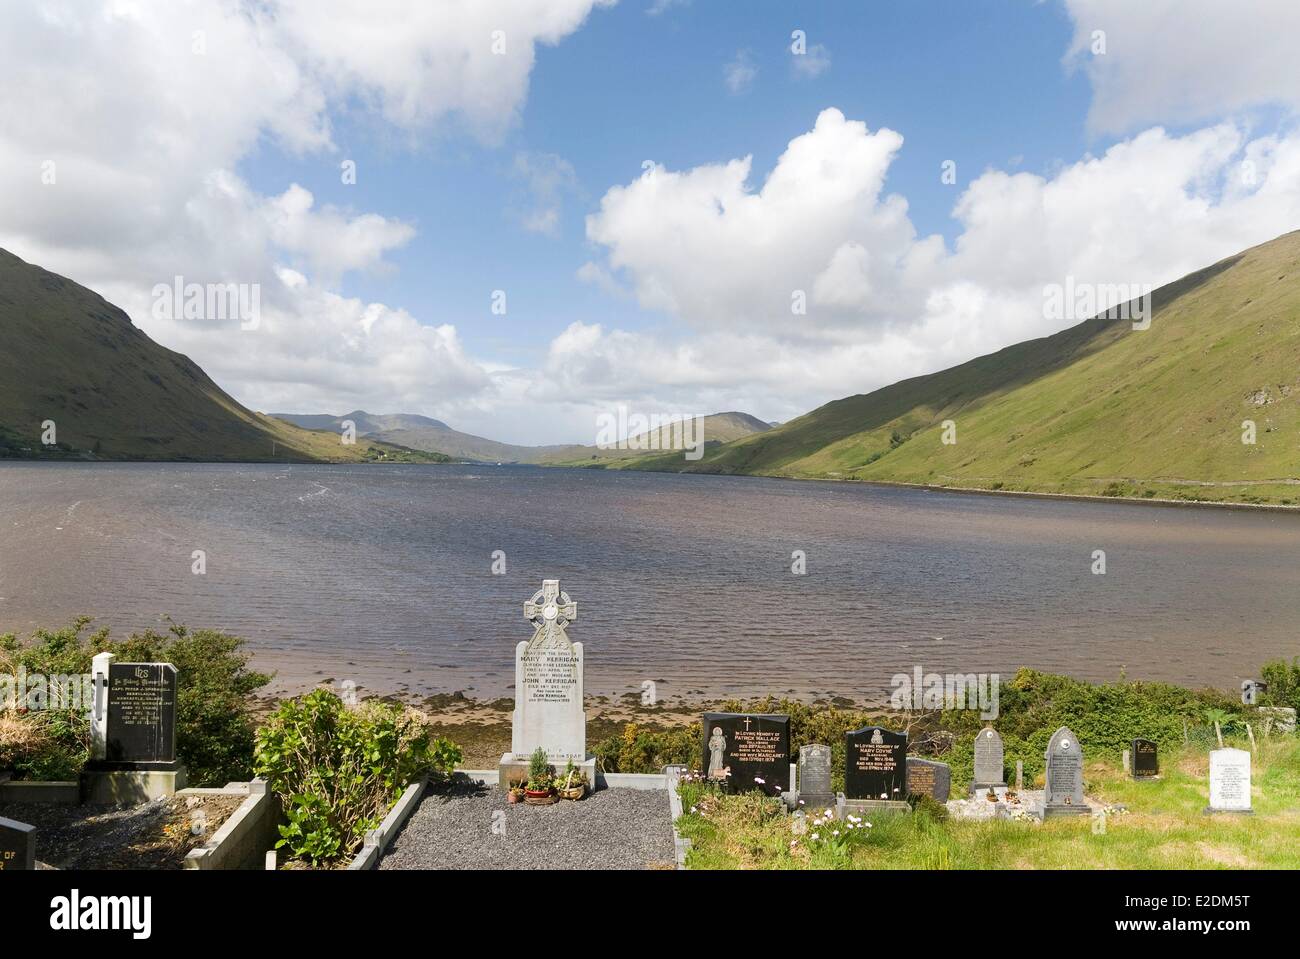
{"points": [[377, 840], [241, 841]]}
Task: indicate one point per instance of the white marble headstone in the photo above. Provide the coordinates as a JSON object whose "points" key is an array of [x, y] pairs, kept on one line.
{"points": [[548, 682], [1229, 780]]}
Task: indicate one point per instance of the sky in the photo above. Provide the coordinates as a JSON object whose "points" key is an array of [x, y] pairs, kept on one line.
{"points": [[518, 215]]}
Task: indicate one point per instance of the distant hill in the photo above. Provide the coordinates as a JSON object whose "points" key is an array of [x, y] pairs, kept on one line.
{"points": [[423, 433], [1099, 408], [72, 357]]}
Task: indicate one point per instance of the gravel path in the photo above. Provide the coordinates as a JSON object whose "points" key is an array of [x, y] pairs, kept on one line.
{"points": [[471, 826]]}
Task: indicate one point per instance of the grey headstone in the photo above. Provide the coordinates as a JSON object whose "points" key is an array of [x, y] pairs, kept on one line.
{"points": [[927, 777], [989, 759], [815, 776], [1064, 790]]}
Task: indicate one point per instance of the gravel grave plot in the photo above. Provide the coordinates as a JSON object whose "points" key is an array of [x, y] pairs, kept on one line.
{"points": [[152, 835], [611, 829]]}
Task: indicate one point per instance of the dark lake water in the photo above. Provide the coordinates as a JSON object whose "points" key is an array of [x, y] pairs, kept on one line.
{"points": [[383, 574]]}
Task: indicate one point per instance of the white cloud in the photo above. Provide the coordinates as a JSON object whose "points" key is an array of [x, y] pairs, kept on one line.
{"points": [[153, 106], [705, 247], [815, 61], [1183, 61], [739, 74], [548, 179], [663, 6]]}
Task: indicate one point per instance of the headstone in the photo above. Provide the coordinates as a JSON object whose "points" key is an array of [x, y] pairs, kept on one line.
{"points": [[1064, 791], [989, 759], [1229, 781], [141, 726], [132, 734], [875, 764], [548, 682], [1020, 775], [744, 751], [925, 777], [17, 846], [815, 777], [1145, 759]]}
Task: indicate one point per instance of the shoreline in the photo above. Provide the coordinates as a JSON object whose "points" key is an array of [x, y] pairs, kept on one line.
{"points": [[987, 491], [895, 484]]}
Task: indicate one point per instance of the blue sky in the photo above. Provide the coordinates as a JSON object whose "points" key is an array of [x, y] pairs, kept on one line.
{"points": [[1095, 142], [981, 84]]}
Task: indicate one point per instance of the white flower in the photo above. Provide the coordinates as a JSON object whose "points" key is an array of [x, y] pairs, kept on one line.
{"points": [[817, 835]]}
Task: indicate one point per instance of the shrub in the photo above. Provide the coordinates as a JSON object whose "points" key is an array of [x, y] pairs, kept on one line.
{"points": [[1283, 680], [638, 750], [44, 745], [337, 770]]}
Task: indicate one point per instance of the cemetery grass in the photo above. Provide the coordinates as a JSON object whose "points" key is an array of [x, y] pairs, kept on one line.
{"points": [[1163, 828]]}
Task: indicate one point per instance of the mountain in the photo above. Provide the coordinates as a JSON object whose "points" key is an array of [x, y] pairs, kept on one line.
{"points": [[1099, 408], [422, 433], [73, 358]]}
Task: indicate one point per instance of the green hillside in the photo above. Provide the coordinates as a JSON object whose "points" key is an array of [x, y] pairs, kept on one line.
{"points": [[1099, 408], [71, 357]]}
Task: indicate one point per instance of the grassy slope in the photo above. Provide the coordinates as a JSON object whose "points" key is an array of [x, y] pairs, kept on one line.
{"points": [[1098, 408], [71, 357], [716, 429], [1164, 828]]}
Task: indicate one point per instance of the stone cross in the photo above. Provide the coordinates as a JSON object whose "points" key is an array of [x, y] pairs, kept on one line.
{"points": [[549, 683], [550, 609]]}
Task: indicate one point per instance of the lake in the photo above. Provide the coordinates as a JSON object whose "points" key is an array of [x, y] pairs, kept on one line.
{"points": [[383, 575]]}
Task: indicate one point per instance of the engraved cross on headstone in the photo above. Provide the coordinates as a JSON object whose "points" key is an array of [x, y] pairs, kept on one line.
{"points": [[550, 609]]}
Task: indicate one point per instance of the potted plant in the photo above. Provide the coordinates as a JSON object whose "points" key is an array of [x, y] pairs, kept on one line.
{"points": [[573, 783], [515, 793], [540, 789]]}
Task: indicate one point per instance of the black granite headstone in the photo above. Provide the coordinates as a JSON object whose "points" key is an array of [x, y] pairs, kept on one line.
{"points": [[875, 765], [1144, 759], [17, 846], [141, 713], [745, 751], [925, 777]]}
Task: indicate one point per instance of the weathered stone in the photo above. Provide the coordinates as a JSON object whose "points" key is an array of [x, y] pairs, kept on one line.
{"points": [[1064, 789], [989, 759], [929, 778]]}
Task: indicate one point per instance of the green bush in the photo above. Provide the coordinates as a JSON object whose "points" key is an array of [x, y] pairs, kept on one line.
{"points": [[338, 770], [639, 750], [214, 728], [1283, 681]]}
